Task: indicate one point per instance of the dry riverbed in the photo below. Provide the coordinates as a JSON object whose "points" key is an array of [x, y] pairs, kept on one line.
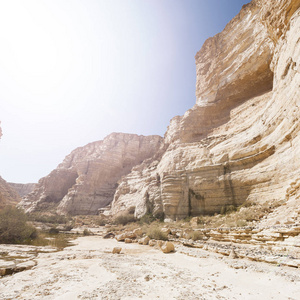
{"points": [[88, 270]]}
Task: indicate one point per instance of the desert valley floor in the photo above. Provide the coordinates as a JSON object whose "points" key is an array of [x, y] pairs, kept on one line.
{"points": [[89, 270]]}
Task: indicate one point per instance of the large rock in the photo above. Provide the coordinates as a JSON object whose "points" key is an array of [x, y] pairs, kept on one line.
{"points": [[241, 140], [166, 247], [87, 178]]}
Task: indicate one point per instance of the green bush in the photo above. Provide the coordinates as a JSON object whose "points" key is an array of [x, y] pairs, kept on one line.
{"points": [[155, 233], [14, 228], [52, 219]]}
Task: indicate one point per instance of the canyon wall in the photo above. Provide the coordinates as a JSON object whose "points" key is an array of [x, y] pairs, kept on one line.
{"points": [[8, 196], [87, 178], [241, 140], [22, 188], [239, 143]]}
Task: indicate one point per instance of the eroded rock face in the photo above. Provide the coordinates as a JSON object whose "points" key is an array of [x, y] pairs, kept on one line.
{"points": [[241, 140], [8, 196], [87, 178], [22, 188]]}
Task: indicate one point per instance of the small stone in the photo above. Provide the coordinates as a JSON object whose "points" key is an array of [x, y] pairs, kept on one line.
{"points": [[116, 250], [167, 247], [232, 254]]}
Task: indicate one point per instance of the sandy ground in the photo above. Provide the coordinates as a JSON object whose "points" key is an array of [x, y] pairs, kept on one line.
{"points": [[88, 270]]}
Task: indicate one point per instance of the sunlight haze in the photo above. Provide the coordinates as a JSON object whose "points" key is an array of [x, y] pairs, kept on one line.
{"points": [[72, 72]]}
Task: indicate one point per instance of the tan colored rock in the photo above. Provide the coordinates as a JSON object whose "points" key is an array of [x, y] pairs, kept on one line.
{"points": [[240, 142], [167, 247], [120, 237], [87, 178], [8, 195], [116, 250], [128, 241], [232, 254], [22, 189], [152, 243], [138, 232], [144, 241], [166, 230]]}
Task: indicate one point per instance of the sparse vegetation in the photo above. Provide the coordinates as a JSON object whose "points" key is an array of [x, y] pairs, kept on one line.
{"points": [[14, 228], [196, 235], [155, 233], [147, 219], [86, 232], [124, 219], [49, 218], [53, 230], [227, 209]]}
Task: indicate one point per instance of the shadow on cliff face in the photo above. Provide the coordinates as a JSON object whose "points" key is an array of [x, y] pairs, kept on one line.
{"points": [[199, 121], [54, 187]]}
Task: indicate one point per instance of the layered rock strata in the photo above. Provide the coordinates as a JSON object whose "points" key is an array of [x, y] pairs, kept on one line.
{"points": [[87, 178], [241, 140]]}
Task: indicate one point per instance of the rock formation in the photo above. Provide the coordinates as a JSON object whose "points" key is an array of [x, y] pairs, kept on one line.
{"points": [[241, 140], [22, 188], [87, 178], [8, 196]]}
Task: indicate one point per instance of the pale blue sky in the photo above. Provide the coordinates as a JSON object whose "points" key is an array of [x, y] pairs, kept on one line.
{"points": [[72, 71]]}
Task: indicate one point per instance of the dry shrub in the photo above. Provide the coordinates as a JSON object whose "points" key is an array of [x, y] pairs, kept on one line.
{"points": [[124, 219], [195, 235], [155, 233], [14, 228]]}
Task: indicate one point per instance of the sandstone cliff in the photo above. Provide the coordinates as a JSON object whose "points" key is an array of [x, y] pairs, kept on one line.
{"points": [[241, 140], [22, 188], [87, 178], [8, 196]]}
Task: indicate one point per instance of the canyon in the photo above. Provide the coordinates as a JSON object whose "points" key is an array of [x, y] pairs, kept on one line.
{"points": [[238, 144]]}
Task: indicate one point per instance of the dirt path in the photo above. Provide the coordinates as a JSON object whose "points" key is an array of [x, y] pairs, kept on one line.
{"points": [[89, 270]]}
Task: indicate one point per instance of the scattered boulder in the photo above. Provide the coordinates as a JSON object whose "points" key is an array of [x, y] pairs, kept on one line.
{"points": [[166, 247], [109, 235], [152, 243], [126, 235], [145, 240], [166, 230], [120, 237], [138, 232], [116, 250], [128, 241]]}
